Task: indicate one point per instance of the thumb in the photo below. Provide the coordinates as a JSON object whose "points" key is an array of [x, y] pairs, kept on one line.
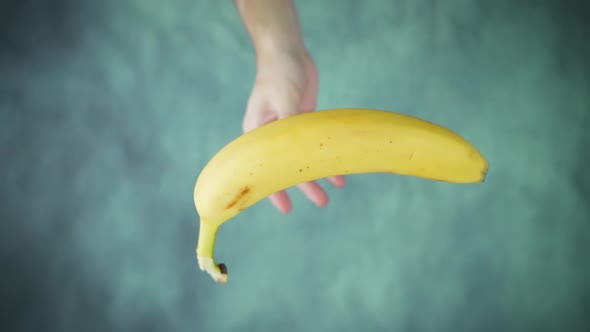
{"points": [[258, 113], [286, 105], [261, 111]]}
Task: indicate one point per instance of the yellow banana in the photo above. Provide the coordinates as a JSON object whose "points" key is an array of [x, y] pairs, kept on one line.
{"points": [[320, 144]]}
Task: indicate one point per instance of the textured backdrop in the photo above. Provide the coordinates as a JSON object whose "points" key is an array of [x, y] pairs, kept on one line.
{"points": [[109, 109]]}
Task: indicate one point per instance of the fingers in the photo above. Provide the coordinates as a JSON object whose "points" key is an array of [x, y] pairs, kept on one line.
{"points": [[315, 193], [337, 181], [281, 201], [312, 190]]}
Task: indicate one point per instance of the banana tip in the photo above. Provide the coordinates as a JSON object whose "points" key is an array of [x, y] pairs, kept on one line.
{"points": [[222, 279], [217, 271]]}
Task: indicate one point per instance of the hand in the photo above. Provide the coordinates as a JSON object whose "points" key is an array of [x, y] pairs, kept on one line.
{"points": [[286, 84]]}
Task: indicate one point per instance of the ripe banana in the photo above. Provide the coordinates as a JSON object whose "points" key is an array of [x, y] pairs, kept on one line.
{"points": [[320, 144]]}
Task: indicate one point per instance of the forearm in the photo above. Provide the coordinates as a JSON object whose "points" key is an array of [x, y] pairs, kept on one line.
{"points": [[273, 25]]}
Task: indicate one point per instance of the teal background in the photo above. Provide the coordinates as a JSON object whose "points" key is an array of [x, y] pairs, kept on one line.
{"points": [[109, 110]]}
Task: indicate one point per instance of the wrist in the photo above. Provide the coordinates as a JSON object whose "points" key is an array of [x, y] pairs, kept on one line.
{"points": [[271, 50], [273, 26]]}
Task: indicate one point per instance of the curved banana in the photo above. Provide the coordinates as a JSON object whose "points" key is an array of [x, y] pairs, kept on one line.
{"points": [[317, 145]]}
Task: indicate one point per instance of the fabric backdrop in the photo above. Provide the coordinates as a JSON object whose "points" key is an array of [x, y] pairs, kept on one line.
{"points": [[109, 110]]}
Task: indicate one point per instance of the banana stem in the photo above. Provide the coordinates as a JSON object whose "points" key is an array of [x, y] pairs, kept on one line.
{"points": [[205, 251]]}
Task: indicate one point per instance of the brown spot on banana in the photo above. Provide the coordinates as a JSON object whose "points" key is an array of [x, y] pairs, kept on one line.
{"points": [[238, 197]]}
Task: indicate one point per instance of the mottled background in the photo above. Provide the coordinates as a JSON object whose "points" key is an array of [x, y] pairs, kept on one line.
{"points": [[109, 109]]}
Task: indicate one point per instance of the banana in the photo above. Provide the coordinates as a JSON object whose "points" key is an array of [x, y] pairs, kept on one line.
{"points": [[317, 145]]}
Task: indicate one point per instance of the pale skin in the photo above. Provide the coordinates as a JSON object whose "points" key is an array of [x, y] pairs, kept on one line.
{"points": [[286, 79]]}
